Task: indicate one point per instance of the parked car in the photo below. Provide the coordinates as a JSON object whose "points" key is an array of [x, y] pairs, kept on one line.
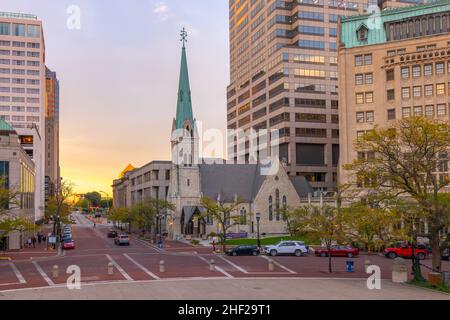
{"points": [[297, 248], [112, 233], [404, 250], [446, 254], [97, 215], [122, 240], [244, 251], [68, 244], [338, 251]]}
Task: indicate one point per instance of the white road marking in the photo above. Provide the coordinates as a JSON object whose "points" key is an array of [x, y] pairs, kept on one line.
{"points": [[17, 273], [43, 274], [124, 274], [280, 265], [233, 264], [140, 266], [217, 268]]}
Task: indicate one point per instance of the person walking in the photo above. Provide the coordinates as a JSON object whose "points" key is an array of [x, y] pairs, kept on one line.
{"points": [[29, 242], [34, 241], [214, 245]]}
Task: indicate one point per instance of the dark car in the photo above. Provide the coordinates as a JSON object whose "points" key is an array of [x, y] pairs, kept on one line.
{"points": [[112, 234], [244, 251], [446, 254]]}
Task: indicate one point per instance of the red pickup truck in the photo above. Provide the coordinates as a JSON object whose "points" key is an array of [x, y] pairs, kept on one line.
{"points": [[404, 250]]}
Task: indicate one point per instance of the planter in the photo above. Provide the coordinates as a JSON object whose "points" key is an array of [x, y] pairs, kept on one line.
{"points": [[434, 278]]}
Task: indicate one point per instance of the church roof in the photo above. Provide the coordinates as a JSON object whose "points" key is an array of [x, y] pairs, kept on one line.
{"points": [[302, 186], [184, 104], [229, 180]]}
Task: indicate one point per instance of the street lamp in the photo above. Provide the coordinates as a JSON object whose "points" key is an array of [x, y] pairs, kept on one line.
{"points": [[258, 217]]}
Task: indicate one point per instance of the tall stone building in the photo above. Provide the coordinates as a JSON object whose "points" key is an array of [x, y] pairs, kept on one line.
{"points": [[22, 89], [52, 168], [392, 66]]}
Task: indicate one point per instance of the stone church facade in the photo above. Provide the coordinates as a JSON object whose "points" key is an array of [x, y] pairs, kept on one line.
{"points": [[191, 178]]}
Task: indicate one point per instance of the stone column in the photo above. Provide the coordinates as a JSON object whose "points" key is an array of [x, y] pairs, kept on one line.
{"points": [[399, 271]]}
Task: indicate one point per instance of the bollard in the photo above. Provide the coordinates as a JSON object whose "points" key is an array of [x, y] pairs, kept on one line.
{"points": [[110, 269], [162, 266], [271, 265], [399, 271], [212, 265], [367, 263], [55, 272]]}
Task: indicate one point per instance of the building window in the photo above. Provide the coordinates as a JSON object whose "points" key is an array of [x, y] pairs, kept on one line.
{"points": [[359, 98], [270, 208], [440, 68], [359, 79], [428, 90], [406, 93], [369, 97], [369, 116], [406, 112], [418, 111], [429, 111], [391, 114], [18, 30], [416, 72], [5, 29], [440, 89], [417, 91], [441, 110], [358, 60], [368, 59], [368, 78], [428, 70], [277, 204], [390, 75], [405, 72], [33, 31], [362, 33], [360, 117], [243, 213], [284, 208], [390, 94]]}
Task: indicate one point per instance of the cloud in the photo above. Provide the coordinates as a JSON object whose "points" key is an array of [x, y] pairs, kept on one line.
{"points": [[162, 11]]}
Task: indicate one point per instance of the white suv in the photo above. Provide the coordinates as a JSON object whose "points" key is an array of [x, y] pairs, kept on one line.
{"points": [[297, 248]]}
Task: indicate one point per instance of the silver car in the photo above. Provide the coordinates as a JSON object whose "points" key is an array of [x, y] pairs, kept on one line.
{"points": [[122, 240]]}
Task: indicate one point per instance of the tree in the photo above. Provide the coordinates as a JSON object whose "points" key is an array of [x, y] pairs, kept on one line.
{"points": [[94, 198], [10, 220], [226, 214], [145, 213], [119, 216], [58, 207], [404, 160], [326, 223], [371, 226]]}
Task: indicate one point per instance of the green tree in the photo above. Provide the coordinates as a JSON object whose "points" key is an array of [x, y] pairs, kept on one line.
{"points": [[145, 213], [58, 206], [227, 215], [94, 198], [403, 160], [10, 220], [326, 223]]}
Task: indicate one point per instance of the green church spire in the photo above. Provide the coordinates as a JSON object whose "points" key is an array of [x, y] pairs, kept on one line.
{"points": [[184, 105]]}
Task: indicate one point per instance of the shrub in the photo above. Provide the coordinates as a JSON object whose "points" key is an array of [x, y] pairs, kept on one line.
{"points": [[195, 242]]}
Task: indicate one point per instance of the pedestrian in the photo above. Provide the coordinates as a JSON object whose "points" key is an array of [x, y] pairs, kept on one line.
{"points": [[44, 238], [39, 237], [214, 245], [34, 241], [94, 225], [29, 241]]}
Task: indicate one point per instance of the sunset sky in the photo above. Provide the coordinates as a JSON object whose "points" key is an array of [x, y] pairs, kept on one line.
{"points": [[119, 74]]}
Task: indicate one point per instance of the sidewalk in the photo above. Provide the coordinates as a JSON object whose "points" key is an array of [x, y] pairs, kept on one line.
{"points": [[235, 289]]}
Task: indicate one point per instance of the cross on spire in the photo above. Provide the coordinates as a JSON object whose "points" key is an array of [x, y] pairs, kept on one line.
{"points": [[183, 35]]}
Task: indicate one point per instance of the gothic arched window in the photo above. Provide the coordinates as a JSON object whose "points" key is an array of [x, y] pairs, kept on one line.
{"points": [[277, 204], [270, 209], [243, 215], [284, 207]]}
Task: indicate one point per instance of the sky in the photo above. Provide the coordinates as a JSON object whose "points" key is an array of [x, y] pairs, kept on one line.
{"points": [[119, 73]]}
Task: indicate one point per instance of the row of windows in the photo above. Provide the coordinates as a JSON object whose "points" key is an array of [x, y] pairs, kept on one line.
{"points": [[19, 109], [364, 97], [367, 116], [428, 90], [20, 44], [439, 110], [19, 118], [427, 70], [18, 99], [365, 59], [363, 78], [20, 30], [17, 53], [19, 90], [19, 71]]}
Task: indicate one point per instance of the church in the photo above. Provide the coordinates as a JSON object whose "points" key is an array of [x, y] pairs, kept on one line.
{"points": [[188, 178]]}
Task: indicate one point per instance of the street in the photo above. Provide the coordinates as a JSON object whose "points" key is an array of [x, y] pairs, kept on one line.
{"points": [[140, 262]]}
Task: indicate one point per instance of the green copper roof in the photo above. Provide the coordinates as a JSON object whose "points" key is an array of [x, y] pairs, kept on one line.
{"points": [[375, 22], [184, 105], [4, 126]]}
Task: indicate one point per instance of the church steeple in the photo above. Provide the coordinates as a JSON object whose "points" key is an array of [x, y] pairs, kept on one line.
{"points": [[184, 104]]}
